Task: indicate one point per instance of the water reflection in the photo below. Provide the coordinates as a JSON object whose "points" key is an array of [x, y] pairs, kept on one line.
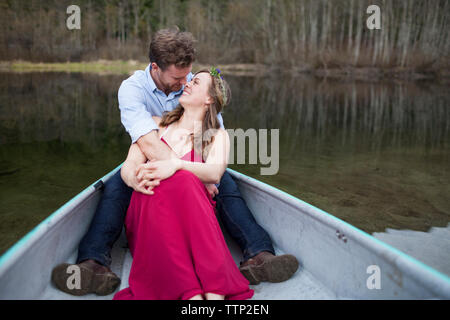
{"points": [[63, 107], [58, 134], [373, 154], [349, 115]]}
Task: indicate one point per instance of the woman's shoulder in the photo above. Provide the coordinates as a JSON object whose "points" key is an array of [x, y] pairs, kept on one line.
{"points": [[221, 136], [221, 132]]}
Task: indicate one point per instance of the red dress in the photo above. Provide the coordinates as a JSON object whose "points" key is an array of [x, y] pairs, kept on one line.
{"points": [[177, 245]]}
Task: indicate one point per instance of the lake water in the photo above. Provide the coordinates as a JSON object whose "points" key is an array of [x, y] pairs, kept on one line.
{"points": [[375, 154]]}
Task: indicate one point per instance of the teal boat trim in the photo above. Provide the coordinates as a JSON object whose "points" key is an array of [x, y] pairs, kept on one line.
{"points": [[421, 274], [257, 183], [20, 246]]}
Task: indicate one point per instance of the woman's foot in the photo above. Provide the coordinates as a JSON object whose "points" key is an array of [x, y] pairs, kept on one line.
{"points": [[213, 296], [197, 297]]}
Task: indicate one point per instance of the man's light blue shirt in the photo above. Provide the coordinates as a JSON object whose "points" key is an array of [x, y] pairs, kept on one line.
{"points": [[140, 99]]}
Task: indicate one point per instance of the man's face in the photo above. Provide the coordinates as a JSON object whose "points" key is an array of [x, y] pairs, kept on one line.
{"points": [[172, 79]]}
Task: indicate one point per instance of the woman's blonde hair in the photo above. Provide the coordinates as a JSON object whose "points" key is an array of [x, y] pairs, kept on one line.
{"points": [[220, 93]]}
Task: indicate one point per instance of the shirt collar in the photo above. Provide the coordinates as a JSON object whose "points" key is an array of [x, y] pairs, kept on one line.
{"points": [[150, 80]]}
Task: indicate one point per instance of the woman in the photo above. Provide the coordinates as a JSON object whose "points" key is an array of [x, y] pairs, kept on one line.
{"points": [[177, 245]]}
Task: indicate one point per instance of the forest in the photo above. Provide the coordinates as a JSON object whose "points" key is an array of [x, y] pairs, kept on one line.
{"points": [[291, 34]]}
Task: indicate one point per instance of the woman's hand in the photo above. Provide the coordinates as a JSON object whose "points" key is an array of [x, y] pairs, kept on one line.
{"points": [[212, 189], [157, 170]]}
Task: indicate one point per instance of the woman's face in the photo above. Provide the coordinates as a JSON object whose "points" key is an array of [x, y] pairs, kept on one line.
{"points": [[196, 91]]}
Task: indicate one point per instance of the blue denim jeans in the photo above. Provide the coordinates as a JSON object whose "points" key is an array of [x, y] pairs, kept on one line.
{"points": [[239, 221], [107, 223], [109, 217]]}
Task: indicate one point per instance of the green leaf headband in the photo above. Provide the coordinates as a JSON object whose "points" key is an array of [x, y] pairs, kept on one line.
{"points": [[215, 72]]}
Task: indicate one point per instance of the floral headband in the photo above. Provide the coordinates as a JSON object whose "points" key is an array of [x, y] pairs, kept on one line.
{"points": [[215, 73]]}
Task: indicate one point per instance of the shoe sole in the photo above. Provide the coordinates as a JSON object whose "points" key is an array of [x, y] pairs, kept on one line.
{"points": [[90, 282], [277, 269]]}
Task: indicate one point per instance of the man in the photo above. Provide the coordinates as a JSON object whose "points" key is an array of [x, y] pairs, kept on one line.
{"points": [[143, 95]]}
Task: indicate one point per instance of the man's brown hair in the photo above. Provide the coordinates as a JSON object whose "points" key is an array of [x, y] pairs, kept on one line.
{"points": [[171, 46]]}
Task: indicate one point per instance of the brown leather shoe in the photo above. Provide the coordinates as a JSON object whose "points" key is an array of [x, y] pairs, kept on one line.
{"points": [[267, 267], [94, 278]]}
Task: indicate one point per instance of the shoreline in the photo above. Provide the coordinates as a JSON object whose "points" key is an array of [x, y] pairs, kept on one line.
{"points": [[110, 67]]}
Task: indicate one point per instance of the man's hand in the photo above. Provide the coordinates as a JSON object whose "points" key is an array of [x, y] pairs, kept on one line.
{"points": [[212, 189]]}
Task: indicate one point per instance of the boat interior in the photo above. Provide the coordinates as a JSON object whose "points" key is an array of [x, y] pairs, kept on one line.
{"points": [[302, 285]]}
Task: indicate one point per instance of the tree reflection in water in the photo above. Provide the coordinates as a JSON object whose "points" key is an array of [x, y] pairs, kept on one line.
{"points": [[375, 154]]}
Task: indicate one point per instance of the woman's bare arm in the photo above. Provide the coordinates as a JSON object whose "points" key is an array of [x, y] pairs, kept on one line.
{"points": [[216, 163], [209, 172], [128, 171]]}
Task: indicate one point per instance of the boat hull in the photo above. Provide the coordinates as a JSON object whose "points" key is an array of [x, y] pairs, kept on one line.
{"points": [[338, 261], [349, 262], [25, 269]]}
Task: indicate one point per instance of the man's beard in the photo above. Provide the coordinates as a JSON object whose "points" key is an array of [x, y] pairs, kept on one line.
{"points": [[172, 88], [176, 87]]}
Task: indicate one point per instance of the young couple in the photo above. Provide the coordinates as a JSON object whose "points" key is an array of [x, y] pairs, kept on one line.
{"points": [[166, 192]]}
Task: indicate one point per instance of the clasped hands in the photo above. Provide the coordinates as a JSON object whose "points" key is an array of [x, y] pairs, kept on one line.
{"points": [[148, 175]]}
